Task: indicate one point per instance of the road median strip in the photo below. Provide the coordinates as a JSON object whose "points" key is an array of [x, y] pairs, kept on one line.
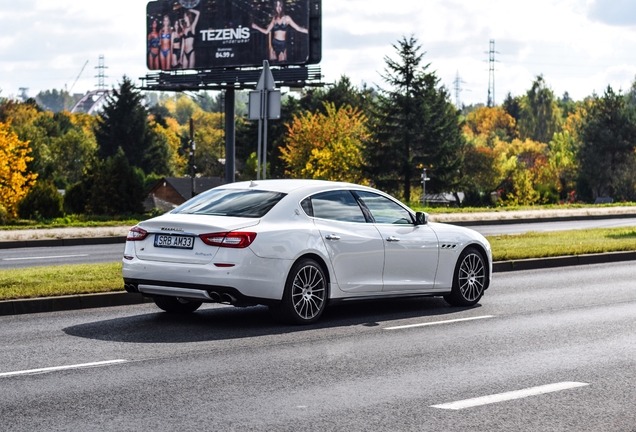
{"points": [[121, 298]]}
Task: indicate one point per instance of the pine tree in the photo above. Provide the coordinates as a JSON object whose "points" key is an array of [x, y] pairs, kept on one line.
{"points": [[608, 141], [124, 123], [415, 127]]}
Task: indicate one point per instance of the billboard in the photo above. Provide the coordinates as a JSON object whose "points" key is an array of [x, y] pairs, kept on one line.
{"points": [[210, 34]]}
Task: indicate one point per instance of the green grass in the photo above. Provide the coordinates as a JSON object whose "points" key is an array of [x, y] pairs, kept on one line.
{"points": [[74, 221], [559, 243], [60, 280], [95, 278]]}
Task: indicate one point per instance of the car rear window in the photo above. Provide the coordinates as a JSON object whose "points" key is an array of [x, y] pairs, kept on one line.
{"points": [[231, 202]]}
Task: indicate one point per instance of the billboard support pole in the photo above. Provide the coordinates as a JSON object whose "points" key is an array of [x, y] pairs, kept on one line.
{"points": [[258, 149], [264, 105], [265, 114], [229, 136]]}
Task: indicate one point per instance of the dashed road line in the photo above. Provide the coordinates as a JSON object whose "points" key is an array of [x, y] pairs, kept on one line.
{"points": [[438, 322], [60, 368], [517, 394], [44, 257]]}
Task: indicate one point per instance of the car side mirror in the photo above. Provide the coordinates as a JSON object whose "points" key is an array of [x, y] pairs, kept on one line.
{"points": [[421, 218]]}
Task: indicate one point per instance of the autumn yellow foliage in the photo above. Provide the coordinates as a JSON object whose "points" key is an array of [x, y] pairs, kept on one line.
{"points": [[490, 122], [15, 180], [327, 147]]}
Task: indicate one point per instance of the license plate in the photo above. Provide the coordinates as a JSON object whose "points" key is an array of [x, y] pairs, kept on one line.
{"points": [[174, 241]]}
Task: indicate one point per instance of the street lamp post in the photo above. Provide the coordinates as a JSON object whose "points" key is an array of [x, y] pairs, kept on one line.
{"points": [[424, 180]]}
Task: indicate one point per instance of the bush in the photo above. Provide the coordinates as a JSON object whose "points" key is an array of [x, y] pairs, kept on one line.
{"points": [[42, 202], [76, 197], [4, 215]]}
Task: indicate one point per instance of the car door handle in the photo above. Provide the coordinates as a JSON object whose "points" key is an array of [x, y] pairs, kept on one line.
{"points": [[392, 239], [332, 237]]}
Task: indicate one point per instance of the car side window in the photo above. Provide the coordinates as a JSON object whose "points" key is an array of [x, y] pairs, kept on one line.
{"points": [[337, 205], [383, 210]]}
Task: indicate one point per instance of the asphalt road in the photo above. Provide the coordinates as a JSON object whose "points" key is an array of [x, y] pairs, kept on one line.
{"points": [[563, 339], [45, 256]]}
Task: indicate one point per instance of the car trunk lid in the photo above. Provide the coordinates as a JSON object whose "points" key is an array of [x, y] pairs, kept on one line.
{"points": [[175, 238]]}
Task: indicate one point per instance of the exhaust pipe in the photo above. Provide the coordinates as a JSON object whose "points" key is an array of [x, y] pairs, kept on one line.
{"points": [[131, 288], [215, 296], [227, 298]]}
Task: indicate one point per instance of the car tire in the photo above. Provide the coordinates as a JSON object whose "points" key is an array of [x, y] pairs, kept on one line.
{"points": [[176, 305], [469, 279], [305, 294]]}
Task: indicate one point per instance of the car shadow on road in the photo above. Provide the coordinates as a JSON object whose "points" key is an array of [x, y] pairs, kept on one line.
{"points": [[223, 323]]}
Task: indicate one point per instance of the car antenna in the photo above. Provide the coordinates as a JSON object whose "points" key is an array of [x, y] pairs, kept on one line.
{"points": [[252, 184]]}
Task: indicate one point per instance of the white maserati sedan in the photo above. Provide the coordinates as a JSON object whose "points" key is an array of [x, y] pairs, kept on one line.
{"points": [[298, 246]]}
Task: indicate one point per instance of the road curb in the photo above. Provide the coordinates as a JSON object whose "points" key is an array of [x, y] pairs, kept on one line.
{"points": [[72, 302], [122, 298], [562, 261]]}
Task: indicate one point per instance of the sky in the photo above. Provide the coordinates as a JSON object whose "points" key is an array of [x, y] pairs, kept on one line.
{"points": [[579, 46]]}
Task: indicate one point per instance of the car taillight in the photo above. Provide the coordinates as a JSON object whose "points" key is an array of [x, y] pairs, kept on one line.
{"points": [[233, 239], [136, 234]]}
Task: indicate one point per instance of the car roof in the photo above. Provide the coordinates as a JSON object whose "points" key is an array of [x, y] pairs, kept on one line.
{"points": [[291, 185]]}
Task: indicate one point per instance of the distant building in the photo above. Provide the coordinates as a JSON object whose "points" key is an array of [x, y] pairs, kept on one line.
{"points": [[170, 192]]}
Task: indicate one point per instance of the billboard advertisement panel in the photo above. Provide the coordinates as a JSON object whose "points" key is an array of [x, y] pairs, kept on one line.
{"points": [[209, 34]]}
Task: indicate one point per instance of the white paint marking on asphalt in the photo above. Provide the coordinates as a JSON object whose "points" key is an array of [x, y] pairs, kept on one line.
{"points": [[44, 257], [502, 397], [438, 322], [59, 368]]}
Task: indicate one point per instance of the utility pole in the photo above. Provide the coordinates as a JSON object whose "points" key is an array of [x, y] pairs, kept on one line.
{"points": [[101, 85], [491, 73]]}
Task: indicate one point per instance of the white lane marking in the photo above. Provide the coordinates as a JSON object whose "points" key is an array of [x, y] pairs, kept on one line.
{"points": [[439, 322], [44, 257], [517, 394], [59, 368]]}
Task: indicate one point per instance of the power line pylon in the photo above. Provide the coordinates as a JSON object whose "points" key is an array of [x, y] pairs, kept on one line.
{"points": [[458, 89], [491, 73], [101, 85]]}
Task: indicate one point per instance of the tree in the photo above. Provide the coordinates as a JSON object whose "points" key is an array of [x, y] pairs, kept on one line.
{"points": [[512, 106], [15, 178], [415, 126], [162, 157], [608, 138], [71, 154], [326, 146], [31, 124], [523, 166], [117, 188], [490, 123], [209, 136], [55, 101], [540, 114], [563, 162], [124, 123], [42, 201]]}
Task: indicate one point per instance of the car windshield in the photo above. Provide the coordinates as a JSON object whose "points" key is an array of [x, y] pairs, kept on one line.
{"points": [[231, 202]]}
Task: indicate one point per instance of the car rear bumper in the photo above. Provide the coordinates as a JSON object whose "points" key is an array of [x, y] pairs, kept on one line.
{"points": [[205, 293]]}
